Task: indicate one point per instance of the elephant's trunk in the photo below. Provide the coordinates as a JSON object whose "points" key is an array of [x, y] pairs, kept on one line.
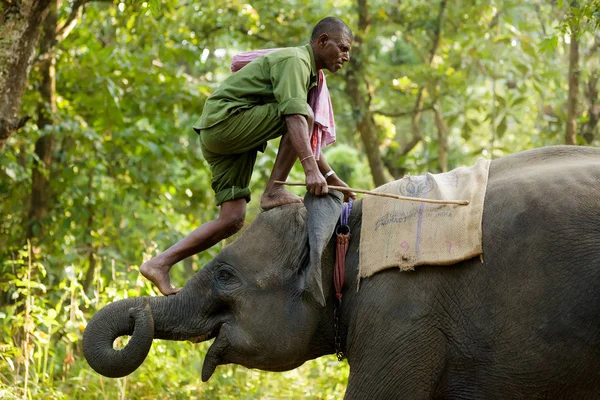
{"points": [[144, 318], [126, 317]]}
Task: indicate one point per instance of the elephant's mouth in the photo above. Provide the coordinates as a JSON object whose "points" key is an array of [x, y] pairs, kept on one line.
{"points": [[207, 336], [216, 351]]}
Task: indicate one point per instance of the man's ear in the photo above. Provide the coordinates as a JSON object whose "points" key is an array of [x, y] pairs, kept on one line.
{"points": [[323, 39], [323, 214]]}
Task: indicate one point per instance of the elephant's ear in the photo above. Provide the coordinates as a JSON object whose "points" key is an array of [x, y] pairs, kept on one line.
{"points": [[323, 214]]}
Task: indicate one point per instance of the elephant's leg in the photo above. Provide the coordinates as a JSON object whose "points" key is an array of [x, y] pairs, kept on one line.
{"points": [[406, 366]]}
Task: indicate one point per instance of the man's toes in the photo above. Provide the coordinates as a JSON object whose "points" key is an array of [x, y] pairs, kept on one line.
{"points": [[171, 291]]}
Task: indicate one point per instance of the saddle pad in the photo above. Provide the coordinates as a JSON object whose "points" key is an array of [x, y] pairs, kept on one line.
{"points": [[404, 234]]}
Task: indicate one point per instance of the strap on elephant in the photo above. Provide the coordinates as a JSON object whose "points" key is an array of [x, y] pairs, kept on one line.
{"points": [[343, 239]]}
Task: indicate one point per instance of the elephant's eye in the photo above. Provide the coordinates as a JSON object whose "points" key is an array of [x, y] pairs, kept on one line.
{"points": [[224, 276]]}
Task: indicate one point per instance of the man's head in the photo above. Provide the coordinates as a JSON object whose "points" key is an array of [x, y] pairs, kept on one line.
{"points": [[331, 41]]}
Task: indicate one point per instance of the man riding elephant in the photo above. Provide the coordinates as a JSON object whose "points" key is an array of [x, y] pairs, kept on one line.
{"points": [[522, 324], [264, 100]]}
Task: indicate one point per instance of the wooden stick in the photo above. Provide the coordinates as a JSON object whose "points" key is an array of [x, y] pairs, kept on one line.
{"points": [[380, 194]]}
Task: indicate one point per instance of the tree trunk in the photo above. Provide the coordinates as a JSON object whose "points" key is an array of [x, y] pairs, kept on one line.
{"points": [[399, 171], [44, 146], [442, 140], [437, 37], [20, 24], [360, 98], [588, 130], [571, 137]]}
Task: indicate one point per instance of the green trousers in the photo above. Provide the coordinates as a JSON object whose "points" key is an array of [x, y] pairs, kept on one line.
{"points": [[230, 148]]}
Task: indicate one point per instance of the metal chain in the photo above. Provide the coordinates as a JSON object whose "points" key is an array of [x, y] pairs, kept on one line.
{"points": [[336, 330]]}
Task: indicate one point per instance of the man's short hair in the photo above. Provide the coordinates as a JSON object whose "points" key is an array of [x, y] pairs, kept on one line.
{"points": [[329, 25]]}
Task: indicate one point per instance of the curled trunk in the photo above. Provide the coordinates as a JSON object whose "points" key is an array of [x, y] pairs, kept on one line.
{"points": [[126, 317], [142, 318]]}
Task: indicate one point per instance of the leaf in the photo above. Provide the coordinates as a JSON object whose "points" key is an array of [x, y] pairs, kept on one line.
{"points": [[11, 174], [10, 363], [529, 49], [522, 68], [52, 314], [548, 44], [501, 100], [72, 337], [519, 100], [537, 87], [114, 91], [502, 39], [451, 120], [501, 129], [466, 131]]}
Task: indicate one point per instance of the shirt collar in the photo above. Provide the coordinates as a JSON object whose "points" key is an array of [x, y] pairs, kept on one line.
{"points": [[313, 65]]}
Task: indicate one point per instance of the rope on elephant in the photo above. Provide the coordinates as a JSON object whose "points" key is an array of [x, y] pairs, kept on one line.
{"points": [[380, 194]]}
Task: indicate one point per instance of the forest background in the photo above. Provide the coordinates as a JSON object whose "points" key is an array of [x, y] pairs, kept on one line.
{"points": [[100, 169]]}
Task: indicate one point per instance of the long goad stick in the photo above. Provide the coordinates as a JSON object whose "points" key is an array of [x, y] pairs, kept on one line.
{"points": [[393, 196]]}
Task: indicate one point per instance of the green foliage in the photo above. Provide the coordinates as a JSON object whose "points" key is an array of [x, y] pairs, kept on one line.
{"points": [[581, 16], [128, 181], [498, 77], [349, 165], [41, 335]]}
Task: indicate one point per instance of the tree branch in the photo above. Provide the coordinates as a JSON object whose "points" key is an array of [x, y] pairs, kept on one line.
{"points": [[8, 127], [70, 23], [416, 115], [259, 37], [539, 15], [76, 11], [437, 31], [402, 113]]}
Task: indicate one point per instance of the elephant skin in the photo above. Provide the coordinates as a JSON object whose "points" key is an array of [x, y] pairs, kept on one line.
{"points": [[525, 324]]}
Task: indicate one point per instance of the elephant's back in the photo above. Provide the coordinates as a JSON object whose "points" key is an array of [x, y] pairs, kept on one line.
{"points": [[542, 211], [546, 170], [541, 236], [552, 194]]}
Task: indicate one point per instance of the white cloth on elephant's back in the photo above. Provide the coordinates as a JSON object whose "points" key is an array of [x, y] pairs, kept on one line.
{"points": [[404, 234]]}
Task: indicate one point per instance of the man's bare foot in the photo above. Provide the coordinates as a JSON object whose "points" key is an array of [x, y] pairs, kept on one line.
{"points": [[278, 196], [159, 275]]}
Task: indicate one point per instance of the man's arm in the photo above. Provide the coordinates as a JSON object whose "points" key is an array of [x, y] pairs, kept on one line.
{"points": [[297, 129], [333, 179]]}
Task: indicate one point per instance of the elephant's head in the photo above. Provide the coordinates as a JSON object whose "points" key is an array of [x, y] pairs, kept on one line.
{"points": [[262, 298]]}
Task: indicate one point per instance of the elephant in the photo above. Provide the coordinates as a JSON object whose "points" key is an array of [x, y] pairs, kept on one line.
{"points": [[524, 324]]}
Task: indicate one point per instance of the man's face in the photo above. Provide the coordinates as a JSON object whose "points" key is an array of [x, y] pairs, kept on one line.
{"points": [[334, 50]]}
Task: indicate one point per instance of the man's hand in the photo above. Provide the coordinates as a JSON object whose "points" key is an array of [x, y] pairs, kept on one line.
{"points": [[315, 181], [298, 132], [332, 179]]}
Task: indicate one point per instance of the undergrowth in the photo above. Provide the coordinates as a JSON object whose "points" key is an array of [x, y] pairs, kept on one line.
{"points": [[42, 322]]}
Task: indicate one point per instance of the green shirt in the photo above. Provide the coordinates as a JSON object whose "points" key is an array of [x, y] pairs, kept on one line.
{"points": [[283, 76]]}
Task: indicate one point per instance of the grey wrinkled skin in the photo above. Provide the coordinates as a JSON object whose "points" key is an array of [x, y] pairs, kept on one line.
{"points": [[523, 325]]}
